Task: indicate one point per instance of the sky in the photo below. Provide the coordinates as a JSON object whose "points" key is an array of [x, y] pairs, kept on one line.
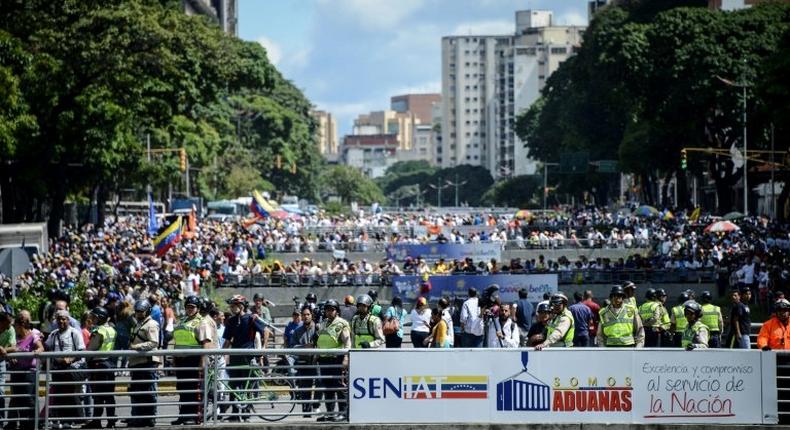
{"points": [[350, 56]]}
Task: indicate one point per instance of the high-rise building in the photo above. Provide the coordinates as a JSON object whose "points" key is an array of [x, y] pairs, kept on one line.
{"points": [[224, 12], [327, 133], [418, 104], [401, 124], [487, 80]]}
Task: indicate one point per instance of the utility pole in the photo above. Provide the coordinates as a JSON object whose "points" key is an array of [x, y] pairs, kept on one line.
{"points": [[456, 184], [745, 159], [439, 187], [187, 177], [148, 157], [773, 168]]}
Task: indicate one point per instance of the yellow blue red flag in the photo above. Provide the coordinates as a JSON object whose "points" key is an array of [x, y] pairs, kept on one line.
{"points": [[168, 237]]}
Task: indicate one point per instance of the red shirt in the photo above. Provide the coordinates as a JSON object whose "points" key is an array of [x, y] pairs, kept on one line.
{"points": [[595, 308]]}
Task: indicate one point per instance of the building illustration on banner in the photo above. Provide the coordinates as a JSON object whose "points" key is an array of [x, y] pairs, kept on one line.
{"points": [[527, 394]]}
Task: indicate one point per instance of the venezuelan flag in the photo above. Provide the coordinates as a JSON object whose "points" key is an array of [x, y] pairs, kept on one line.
{"points": [[258, 205], [168, 237]]}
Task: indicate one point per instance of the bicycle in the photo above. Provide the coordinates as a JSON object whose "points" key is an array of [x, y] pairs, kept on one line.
{"points": [[273, 397]]}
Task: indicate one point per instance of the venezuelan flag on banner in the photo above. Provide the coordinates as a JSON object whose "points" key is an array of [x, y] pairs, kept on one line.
{"points": [[258, 205], [168, 237]]}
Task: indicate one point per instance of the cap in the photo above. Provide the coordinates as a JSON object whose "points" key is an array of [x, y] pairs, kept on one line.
{"points": [[422, 301]]}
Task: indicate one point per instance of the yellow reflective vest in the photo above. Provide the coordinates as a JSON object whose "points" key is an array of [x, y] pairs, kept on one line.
{"points": [[185, 335], [710, 316], [618, 325]]}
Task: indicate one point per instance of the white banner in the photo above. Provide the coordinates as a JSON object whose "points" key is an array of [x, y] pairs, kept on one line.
{"points": [[555, 386]]}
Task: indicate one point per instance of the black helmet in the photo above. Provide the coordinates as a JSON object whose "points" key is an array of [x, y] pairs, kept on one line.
{"points": [[257, 296], [193, 301], [629, 284], [617, 291], [693, 307], [782, 304], [684, 297], [373, 295], [660, 293], [311, 297], [101, 314], [543, 307], [650, 294], [143, 306], [237, 300], [691, 293], [706, 297], [364, 299], [332, 304], [558, 298]]}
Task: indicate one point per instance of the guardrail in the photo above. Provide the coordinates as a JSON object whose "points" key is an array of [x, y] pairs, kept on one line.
{"points": [[384, 280], [204, 387]]}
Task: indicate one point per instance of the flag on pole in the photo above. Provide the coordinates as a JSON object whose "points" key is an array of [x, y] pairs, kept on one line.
{"points": [[695, 214], [168, 238], [258, 204], [153, 225]]}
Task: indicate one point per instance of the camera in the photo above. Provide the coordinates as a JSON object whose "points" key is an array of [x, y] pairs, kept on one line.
{"points": [[490, 296]]}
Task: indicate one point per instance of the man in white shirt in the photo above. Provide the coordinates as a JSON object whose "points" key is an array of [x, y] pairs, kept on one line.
{"points": [[503, 331], [471, 322]]}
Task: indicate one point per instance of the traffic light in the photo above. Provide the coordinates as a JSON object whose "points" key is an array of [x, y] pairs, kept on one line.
{"points": [[183, 159], [683, 159]]}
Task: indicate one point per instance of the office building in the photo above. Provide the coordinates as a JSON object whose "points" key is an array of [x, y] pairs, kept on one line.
{"points": [[224, 12], [401, 124], [488, 80], [326, 133], [418, 104]]}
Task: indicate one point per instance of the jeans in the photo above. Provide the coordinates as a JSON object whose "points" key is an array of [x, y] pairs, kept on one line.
{"points": [[742, 342], [393, 340], [581, 341], [417, 338], [715, 340], [470, 340]]}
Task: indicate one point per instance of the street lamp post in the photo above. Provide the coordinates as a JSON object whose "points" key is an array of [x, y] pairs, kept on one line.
{"points": [[743, 87], [456, 184], [438, 187], [546, 182]]}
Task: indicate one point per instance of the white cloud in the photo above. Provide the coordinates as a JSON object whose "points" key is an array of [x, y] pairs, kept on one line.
{"points": [[273, 50], [485, 28], [299, 59], [373, 15], [571, 18]]}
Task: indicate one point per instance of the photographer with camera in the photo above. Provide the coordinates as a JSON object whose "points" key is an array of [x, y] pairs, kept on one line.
{"points": [[560, 329], [503, 331]]}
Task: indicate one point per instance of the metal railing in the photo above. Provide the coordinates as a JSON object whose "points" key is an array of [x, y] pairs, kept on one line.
{"points": [[202, 387], [660, 276]]}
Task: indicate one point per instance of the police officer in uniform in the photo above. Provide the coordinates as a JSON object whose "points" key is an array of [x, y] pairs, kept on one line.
{"points": [[102, 339], [712, 318], [145, 337], [559, 331], [366, 329], [696, 334], [650, 313], [335, 333], [620, 325], [664, 321], [678, 322], [630, 293], [192, 332]]}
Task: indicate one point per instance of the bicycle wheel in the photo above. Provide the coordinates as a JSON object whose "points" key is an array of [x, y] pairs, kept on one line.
{"points": [[273, 402]]}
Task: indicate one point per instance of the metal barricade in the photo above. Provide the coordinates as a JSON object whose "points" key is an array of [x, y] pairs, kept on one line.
{"points": [[204, 387]]}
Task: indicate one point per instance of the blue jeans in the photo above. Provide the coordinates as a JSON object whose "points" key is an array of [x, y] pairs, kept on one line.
{"points": [[581, 341], [472, 341], [743, 342]]}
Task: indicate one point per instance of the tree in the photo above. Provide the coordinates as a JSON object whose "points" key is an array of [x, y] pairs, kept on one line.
{"points": [[350, 185], [520, 191]]}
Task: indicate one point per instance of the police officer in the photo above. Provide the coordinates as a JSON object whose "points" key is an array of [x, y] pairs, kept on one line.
{"points": [[664, 321], [366, 329], [630, 293], [711, 317], [620, 323], [650, 314], [192, 332], [145, 337], [559, 331], [335, 333], [678, 322], [696, 334], [375, 308], [101, 382]]}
